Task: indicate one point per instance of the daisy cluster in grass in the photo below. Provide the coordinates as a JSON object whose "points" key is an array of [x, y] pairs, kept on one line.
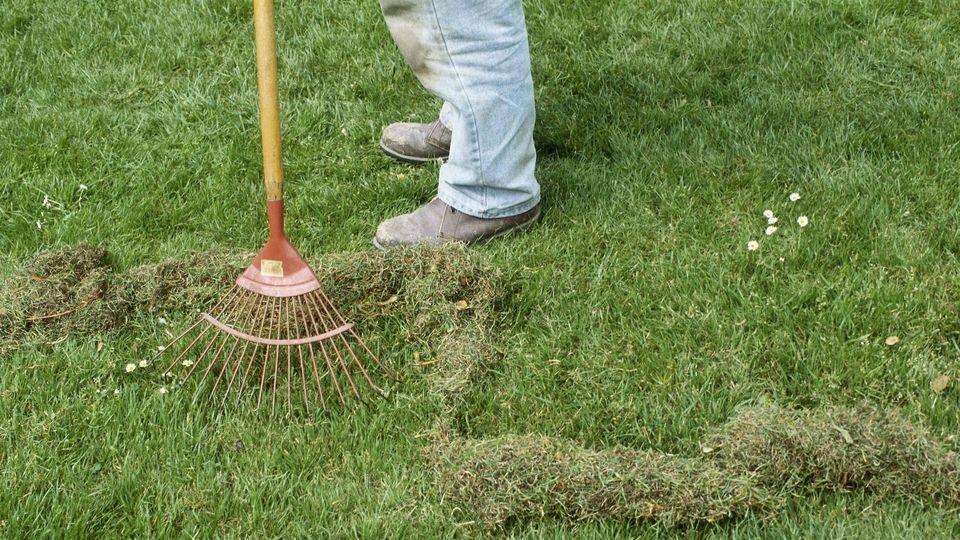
{"points": [[772, 221]]}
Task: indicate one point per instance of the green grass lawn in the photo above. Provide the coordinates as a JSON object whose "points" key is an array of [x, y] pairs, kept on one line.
{"points": [[638, 316]]}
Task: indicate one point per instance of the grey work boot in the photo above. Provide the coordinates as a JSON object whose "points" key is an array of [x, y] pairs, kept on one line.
{"points": [[437, 222], [416, 143]]}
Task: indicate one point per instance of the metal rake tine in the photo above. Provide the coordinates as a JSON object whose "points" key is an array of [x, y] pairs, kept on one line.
{"points": [[313, 360], [303, 367], [276, 362], [349, 349], [332, 370], [210, 344], [303, 379], [245, 300], [213, 361], [335, 310], [346, 370], [347, 346], [174, 340], [266, 359], [257, 352], [203, 354], [253, 354], [382, 366], [333, 366], [183, 353], [289, 367], [359, 364], [243, 354], [187, 331], [188, 347], [226, 363], [316, 376], [233, 372], [233, 349], [355, 335], [323, 349]]}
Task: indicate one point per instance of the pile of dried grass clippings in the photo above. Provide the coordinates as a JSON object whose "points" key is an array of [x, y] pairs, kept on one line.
{"points": [[444, 297], [75, 291], [529, 477], [838, 448], [750, 464]]}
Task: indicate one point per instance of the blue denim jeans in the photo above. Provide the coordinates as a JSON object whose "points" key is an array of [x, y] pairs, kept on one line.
{"points": [[473, 54]]}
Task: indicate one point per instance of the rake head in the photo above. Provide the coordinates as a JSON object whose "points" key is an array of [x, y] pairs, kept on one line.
{"points": [[277, 336]]}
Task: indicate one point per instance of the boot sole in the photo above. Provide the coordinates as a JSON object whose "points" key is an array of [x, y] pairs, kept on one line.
{"points": [[523, 227], [413, 160]]}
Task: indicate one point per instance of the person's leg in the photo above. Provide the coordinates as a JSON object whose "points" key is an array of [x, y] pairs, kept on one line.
{"points": [[474, 55]]}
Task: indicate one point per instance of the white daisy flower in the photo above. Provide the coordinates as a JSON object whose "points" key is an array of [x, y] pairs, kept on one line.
{"points": [[161, 320], [770, 230], [187, 363], [163, 389], [129, 367], [144, 363], [768, 214], [161, 348], [772, 220], [803, 221], [753, 245], [794, 197]]}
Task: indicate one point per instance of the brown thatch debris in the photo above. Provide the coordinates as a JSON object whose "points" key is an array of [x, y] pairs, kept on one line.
{"points": [[427, 287], [424, 286], [837, 449], [756, 459], [529, 477], [75, 291], [461, 355]]}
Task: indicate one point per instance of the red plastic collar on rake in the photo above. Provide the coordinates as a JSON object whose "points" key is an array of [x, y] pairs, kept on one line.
{"points": [[278, 270]]}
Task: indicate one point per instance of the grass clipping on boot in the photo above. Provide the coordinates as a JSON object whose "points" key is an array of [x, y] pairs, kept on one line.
{"points": [[749, 464]]}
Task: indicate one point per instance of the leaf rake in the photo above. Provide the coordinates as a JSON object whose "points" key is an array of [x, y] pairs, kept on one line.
{"points": [[276, 331]]}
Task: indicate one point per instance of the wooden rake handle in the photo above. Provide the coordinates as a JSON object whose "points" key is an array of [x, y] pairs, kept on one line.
{"points": [[269, 98]]}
